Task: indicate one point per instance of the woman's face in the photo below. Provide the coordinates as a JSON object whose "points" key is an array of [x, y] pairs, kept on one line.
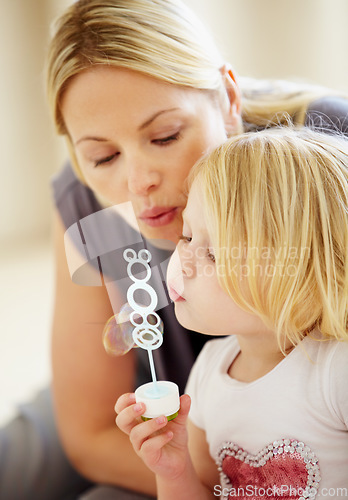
{"points": [[136, 139]]}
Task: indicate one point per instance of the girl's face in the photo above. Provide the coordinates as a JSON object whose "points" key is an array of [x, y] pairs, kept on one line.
{"points": [[136, 138], [200, 302]]}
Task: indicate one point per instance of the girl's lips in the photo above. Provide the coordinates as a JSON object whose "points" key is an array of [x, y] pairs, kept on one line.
{"points": [[157, 217], [173, 294]]}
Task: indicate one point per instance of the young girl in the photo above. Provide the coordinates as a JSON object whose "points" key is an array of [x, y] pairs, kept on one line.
{"points": [[263, 262]]}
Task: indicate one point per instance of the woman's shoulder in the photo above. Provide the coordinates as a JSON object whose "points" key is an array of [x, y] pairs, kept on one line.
{"points": [[73, 200], [328, 114], [100, 234]]}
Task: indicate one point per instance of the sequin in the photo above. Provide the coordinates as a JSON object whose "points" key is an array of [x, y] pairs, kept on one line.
{"points": [[287, 469]]}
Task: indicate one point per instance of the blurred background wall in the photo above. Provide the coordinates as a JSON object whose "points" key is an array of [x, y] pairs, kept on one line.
{"points": [[29, 149], [297, 39]]}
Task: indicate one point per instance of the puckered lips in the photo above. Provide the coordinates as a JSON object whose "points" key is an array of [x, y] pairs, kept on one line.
{"points": [[158, 216], [174, 295]]}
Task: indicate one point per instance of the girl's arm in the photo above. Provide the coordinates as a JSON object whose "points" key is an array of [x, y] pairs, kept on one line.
{"points": [[164, 448], [203, 463], [204, 468], [186, 487], [86, 382]]}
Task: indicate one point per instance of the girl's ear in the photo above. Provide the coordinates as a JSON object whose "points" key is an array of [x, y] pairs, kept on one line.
{"points": [[233, 115]]}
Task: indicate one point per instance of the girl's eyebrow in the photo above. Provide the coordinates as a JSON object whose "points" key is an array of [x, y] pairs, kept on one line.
{"points": [[141, 127]]}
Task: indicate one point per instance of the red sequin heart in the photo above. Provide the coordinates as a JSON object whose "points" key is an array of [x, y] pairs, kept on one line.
{"points": [[284, 470]]}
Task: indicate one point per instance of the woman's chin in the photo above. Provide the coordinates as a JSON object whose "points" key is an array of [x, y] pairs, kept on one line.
{"points": [[166, 236], [162, 244]]}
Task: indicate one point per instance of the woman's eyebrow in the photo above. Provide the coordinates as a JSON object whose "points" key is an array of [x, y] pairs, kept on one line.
{"points": [[90, 138], [154, 116], [141, 127]]}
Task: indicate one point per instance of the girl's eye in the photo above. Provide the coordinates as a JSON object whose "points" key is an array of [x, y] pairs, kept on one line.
{"points": [[165, 141], [185, 239], [210, 256], [107, 159]]}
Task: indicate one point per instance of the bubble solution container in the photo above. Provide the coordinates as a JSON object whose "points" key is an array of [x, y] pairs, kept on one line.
{"points": [[160, 398]]}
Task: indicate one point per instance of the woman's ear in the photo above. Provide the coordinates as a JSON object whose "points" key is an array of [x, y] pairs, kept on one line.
{"points": [[233, 115]]}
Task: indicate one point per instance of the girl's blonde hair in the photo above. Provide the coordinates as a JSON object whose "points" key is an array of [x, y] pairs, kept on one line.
{"points": [[277, 212], [159, 38]]}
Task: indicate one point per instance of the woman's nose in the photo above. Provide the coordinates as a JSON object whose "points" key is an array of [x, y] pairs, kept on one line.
{"points": [[143, 177]]}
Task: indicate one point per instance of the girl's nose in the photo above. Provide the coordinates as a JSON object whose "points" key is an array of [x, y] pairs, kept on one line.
{"points": [[174, 273], [142, 177], [187, 260], [188, 268], [180, 267]]}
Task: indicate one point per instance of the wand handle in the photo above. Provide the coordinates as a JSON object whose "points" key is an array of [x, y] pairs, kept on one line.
{"points": [[152, 366]]}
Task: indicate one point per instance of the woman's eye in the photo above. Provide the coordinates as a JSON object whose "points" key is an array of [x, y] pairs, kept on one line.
{"points": [[107, 159], [165, 141], [185, 239]]}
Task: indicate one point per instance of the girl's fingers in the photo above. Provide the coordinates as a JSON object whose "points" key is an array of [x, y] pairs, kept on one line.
{"points": [[140, 433], [124, 401], [185, 405], [128, 418], [152, 446]]}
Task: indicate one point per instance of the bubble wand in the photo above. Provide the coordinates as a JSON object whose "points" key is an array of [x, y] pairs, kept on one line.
{"points": [[145, 335], [160, 397]]}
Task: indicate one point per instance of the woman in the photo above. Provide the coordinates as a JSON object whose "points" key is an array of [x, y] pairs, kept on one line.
{"points": [[140, 93]]}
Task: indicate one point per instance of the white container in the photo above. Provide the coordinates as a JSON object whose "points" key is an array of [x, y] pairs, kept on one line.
{"points": [[160, 398]]}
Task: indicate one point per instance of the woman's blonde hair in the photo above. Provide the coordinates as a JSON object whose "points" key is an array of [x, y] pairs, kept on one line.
{"points": [[277, 212], [159, 38]]}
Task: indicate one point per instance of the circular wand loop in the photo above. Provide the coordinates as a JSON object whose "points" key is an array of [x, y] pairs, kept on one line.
{"points": [[118, 331]]}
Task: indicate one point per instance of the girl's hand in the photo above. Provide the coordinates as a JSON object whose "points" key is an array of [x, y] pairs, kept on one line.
{"points": [[162, 445]]}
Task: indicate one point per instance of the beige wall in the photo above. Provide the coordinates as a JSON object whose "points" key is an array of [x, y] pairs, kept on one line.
{"points": [[305, 39], [28, 144], [301, 39]]}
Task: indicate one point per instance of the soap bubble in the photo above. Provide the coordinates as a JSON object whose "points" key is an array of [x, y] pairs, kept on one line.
{"points": [[118, 331]]}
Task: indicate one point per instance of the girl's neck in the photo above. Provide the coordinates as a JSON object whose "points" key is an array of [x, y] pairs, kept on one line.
{"points": [[258, 356]]}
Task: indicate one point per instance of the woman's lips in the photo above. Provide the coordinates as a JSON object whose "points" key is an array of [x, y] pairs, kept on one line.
{"points": [[158, 216], [173, 294]]}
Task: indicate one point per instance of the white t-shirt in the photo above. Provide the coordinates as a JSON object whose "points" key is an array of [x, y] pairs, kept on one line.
{"points": [[284, 435]]}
